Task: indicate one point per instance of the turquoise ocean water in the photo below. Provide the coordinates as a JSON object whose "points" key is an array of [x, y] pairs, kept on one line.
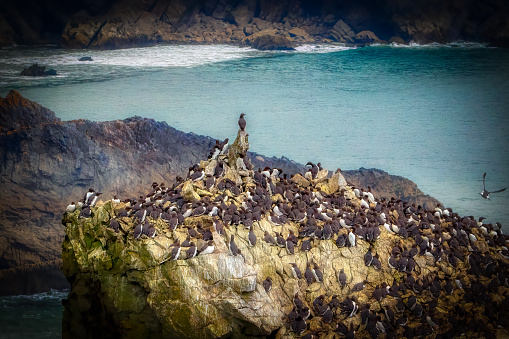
{"points": [[438, 115]]}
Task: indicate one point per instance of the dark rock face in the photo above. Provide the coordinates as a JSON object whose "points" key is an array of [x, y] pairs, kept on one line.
{"points": [[46, 162], [127, 23], [385, 185], [37, 71]]}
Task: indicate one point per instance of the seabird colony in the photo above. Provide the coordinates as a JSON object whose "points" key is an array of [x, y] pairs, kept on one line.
{"points": [[478, 269]]}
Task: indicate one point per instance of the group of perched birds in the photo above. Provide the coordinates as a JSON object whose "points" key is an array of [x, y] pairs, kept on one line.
{"points": [[345, 218]]}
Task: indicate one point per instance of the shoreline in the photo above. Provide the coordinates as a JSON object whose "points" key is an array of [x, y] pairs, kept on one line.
{"points": [[410, 44]]}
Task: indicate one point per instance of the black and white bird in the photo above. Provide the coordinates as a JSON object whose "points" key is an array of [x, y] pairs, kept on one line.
{"points": [[71, 207], [485, 194], [207, 248], [267, 284], [296, 271], [175, 252], [191, 252]]}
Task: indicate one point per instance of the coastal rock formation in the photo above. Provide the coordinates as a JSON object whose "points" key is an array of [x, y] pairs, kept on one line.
{"points": [[129, 23], [223, 263], [269, 40], [37, 71], [48, 163], [385, 185]]}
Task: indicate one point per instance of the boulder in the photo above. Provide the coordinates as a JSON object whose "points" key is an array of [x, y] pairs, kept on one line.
{"points": [[366, 37], [342, 32], [85, 58], [269, 40], [300, 34], [37, 71]]}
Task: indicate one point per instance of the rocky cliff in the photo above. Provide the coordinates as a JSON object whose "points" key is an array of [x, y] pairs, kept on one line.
{"points": [[130, 23], [47, 164], [233, 252]]}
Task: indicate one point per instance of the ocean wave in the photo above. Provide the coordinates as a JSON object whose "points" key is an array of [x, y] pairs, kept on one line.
{"points": [[157, 56], [322, 48], [53, 295], [413, 44]]}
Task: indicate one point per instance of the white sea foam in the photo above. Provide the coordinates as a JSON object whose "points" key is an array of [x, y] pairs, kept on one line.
{"points": [[322, 48], [53, 295], [157, 56], [413, 44], [163, 56]]}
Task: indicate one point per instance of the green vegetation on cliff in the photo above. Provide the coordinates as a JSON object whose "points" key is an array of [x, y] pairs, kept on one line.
{"points": [[445, 274]]}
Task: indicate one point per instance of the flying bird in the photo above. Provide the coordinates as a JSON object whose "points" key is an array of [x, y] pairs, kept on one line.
{"points": [[485, 194]]}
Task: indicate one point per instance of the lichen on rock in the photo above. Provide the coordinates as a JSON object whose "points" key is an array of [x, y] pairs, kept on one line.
{"points": [[394, 255]]}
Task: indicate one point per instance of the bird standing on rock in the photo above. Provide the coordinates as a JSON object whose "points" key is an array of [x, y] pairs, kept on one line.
{"points": [[242, 122]]}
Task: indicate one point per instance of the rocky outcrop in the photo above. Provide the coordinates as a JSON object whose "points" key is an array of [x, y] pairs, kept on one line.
{"points": [[37, 71], [129, 23], [47, 164], [385, 185], [369, 265], [269, 40]]}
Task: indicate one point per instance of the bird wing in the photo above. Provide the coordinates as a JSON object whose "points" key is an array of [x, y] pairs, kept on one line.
{"points": [[503, 189], [483, 178]]}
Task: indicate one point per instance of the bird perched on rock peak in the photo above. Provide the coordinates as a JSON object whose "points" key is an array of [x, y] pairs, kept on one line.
{"points": [[242, 122]]}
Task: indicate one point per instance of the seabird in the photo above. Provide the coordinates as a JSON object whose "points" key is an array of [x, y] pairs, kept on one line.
{"points": [[351, 239], [290, 247], [93, 198], [317, 273], [267, 284], [186, 242], [306, 245], [233, 247], [313, 170], [151, 232], [71, 207], [85, 212], [269, 238], [242, 122], [296, 271], [114, 224], [342, 278], [298, 325], [376, 262], [88, 195], [218, 227], [175, 252], [368, 258], [138, 231], [208, 248], [251, 237], [308, 275], [280, 241], [191, 252], [359, 286], [341, 240], [485, 194]]}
